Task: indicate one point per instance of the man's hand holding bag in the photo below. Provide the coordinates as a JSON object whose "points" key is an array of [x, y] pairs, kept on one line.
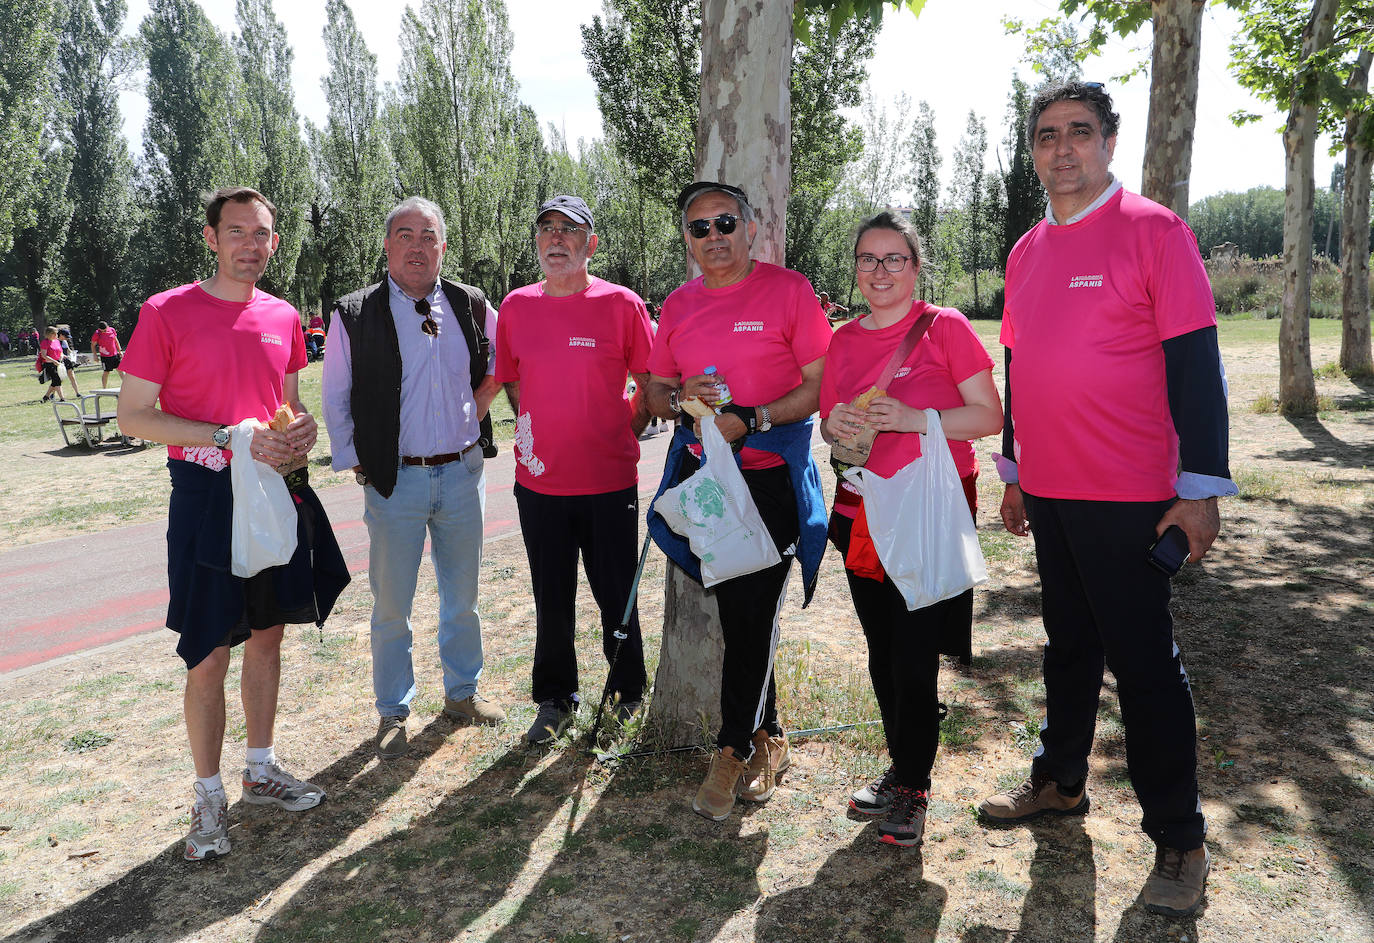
{"points": [[715, 512]]}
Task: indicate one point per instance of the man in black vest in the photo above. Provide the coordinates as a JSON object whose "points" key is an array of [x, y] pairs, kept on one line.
{"points": [[407, 385]]}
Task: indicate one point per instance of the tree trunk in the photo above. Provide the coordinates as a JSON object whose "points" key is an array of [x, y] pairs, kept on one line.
{"points": [[744, 138], [1297, 388], [1359, 160], [1173, 102]]}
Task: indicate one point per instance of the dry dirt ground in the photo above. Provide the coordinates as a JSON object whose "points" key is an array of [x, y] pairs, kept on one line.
{"points": [[474, 837]]}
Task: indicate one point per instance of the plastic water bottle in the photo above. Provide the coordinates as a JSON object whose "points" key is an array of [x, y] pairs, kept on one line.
{"points": [[723, 397]]}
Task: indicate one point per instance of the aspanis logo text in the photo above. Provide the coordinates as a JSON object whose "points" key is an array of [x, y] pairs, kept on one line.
{"points": [[1086, 281], [581, 341], [748, 326], [271, 338]]}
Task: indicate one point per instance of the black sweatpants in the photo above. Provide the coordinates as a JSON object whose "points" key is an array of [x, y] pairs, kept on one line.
{"points": [[749, 609], [604, 529], [904, 650], [1104, 604]]}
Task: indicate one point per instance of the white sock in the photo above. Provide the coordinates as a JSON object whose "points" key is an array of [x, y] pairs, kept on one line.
{"points": [[259, 758], [211, 784]]}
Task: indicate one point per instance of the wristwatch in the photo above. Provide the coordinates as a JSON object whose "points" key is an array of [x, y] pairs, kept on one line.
{"points": [[673, 403], [221, 437], [765, 420]]}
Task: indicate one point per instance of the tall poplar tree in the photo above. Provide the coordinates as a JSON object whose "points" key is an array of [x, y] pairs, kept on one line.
{"points": [[28, 44], [92, 58], [277, 164], [355, 179], [188, 149]]}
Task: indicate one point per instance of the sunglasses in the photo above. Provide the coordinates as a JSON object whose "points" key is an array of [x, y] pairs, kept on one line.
{"points": [[430, 326], [701, 228]]}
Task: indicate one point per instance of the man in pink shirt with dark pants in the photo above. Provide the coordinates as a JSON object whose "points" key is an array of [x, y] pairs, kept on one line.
{"points": [[204, 356], [564, 347], [1114, 383]]}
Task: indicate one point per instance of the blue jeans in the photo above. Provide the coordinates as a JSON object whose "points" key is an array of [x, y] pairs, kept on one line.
{"points": [[448, 501]]}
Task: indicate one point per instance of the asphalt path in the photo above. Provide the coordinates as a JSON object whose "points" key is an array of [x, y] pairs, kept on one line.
{"points": [[77, 593]]}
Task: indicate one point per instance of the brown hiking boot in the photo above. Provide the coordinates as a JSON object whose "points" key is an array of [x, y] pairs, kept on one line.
{"points": [[1033, 798], [474, 709], [771, 756], [1175, 887], [716, 797]]}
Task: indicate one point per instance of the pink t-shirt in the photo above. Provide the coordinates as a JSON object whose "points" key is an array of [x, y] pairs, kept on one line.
{"points": [[53, 348], [106, 341], [1088, 308], [758, 333], [216, 361], [571, 356], [949, 354]]}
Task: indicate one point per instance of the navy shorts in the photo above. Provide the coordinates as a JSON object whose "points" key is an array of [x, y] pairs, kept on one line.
{"points": [[210, 607]]}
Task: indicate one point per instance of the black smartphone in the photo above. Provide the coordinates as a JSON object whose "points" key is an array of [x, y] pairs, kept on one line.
{"points": [[1169, 552]]}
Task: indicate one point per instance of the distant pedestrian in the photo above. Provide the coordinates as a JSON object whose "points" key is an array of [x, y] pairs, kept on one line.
{"points": [[5, 343], [69, 361], [49, 365], [105, 343]]}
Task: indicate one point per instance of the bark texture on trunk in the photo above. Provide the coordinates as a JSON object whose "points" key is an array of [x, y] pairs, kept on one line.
{"points": [[1297, 388], [744, 128], [744, 138], [1356, 357], [1173, 102], [686, 705]]}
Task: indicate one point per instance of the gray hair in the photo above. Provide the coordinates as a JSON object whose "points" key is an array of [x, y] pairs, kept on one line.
{"points": [[418, 203], [746, 212]]}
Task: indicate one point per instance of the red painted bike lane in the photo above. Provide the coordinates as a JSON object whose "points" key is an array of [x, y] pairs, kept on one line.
{"points": [[70, 595]]}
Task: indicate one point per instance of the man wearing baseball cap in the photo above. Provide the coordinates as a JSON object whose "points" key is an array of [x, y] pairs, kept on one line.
{"points": [[564, 347]]}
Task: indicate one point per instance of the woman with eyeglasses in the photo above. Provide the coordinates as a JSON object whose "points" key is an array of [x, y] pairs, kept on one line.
{"points": [[947, 370]]}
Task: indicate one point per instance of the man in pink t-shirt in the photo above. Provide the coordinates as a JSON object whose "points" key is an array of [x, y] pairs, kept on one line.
{"points": [[105, 343], [756, 331], [1116, 432], [564, 347], [203, 357]]}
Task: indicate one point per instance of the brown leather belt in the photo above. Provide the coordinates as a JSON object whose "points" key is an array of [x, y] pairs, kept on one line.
{"points": [[428, 460]]}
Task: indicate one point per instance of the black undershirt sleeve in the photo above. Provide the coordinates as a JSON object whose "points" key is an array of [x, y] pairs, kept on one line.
{"points": [[1197, 401], [1008, 437]]}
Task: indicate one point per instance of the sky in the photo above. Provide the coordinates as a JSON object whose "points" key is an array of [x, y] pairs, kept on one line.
{"points": [[956, 56]]}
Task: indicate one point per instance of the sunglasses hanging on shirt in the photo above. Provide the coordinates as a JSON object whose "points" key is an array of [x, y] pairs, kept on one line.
{"points": [[430, 326]]}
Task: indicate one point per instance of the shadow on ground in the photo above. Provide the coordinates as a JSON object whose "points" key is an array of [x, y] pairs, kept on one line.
{"points": [[269, 846]]}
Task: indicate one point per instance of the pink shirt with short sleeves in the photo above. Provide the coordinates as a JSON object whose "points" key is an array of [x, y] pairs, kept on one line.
{"points": [[949, 354], [571, 356], [106, 341], [1088, 308], [758, 333], [216, 361]]}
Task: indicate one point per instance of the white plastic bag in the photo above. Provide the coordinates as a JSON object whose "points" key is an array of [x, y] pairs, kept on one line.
{"points": [[264, 514], [715, 512], [920, 524]]}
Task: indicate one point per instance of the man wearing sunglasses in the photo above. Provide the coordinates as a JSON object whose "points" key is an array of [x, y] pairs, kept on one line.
{"points": [[1115, 389], [407, 384], [761, 328], [564, 348]]}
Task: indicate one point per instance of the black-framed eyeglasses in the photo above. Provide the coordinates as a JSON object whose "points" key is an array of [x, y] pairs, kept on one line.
{"points": [[701, 228], [893, 263], [430, 326]]}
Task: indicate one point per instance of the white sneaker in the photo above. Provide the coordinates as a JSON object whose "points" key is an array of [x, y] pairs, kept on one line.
{"points": [[209, 837], [275, 786]]}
